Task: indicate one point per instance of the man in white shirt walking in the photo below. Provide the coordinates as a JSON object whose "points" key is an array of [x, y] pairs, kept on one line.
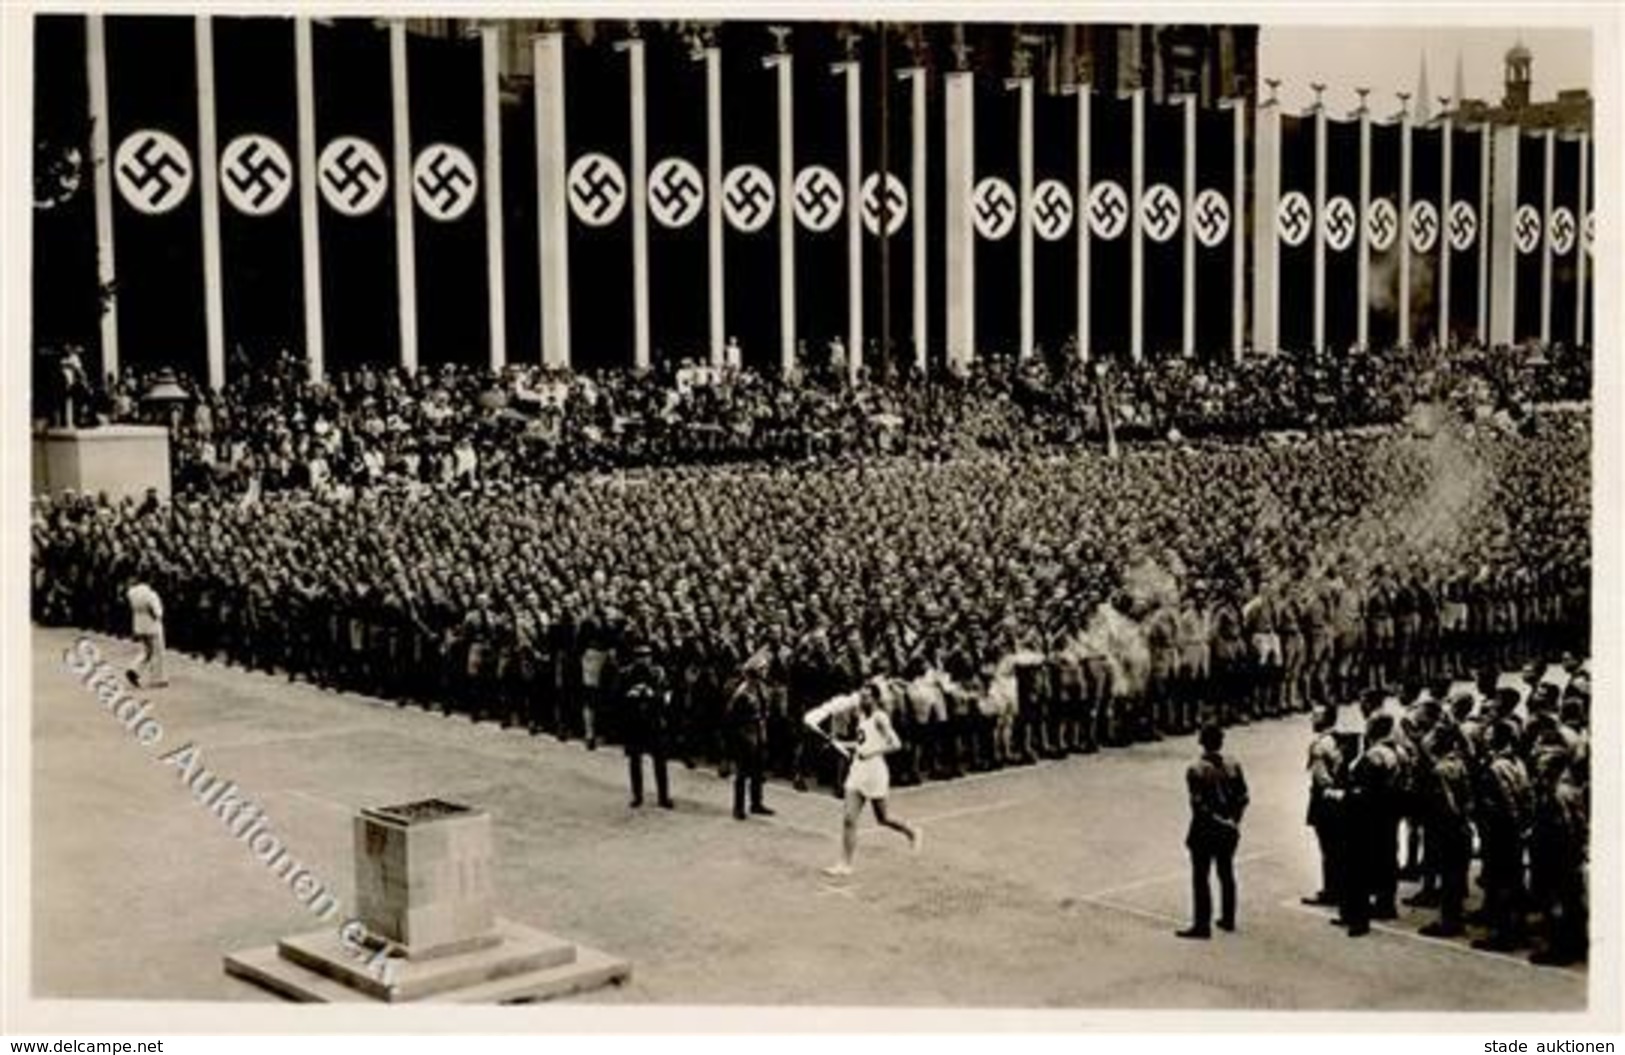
{"points": [[147, 626], [867, 779]]}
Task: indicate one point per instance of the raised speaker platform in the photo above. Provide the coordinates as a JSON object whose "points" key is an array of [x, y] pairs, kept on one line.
{"points": [[115, 460]]}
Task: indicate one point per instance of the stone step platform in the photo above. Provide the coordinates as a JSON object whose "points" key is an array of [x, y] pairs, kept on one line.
{"points": [[525, 965]]}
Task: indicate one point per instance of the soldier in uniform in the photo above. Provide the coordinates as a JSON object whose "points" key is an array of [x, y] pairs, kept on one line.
{"points": [[1195, 661], [1218, 797], [1371, 831], [1258, 620], [748, 710], [1448, 794], [644, 698], [1505, 799], [1326, 775], [1558, 849]]}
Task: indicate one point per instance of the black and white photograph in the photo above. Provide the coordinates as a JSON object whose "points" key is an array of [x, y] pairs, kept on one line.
{"points": [[1073, 517]]}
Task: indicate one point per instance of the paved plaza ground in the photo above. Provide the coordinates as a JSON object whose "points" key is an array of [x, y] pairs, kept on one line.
{"points": [[1054, 886]]}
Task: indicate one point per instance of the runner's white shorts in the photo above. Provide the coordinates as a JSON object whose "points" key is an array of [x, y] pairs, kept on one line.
{"points": [[869, 777]]}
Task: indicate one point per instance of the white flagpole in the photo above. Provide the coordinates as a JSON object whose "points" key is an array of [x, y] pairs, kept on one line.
{"points": [[1024, 198], [917, 132], [1266, 226], [1080, 193], [1581, 263], [102, 179], [854, 218], [638, 183], [406, 268], [310, 239], [713, 203], [1485, 159], [1404, 235], [496, 290], [782, 65], [1318, 339], [1137, 263], [1547, 174], [552, 217], [1363, 264], [1188, 278], [1447, 148], [1238, 248], [208, 163], [959, 159]]}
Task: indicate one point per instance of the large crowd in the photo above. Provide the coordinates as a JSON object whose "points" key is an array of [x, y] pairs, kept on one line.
{"points": [[1013, 591], [272, 428]]}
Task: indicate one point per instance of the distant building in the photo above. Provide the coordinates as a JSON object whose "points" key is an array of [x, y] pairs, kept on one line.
{"points": [[1571, 111]]}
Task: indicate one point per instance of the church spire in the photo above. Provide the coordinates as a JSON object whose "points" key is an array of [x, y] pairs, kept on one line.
{"points": [[1423, 111]]}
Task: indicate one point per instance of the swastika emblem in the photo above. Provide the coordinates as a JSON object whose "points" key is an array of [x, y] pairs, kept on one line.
{"points": [[352, 175], [1339, 223], [1381, 224], [1424, 226], [1526, 229], [993, 208], [676, 192], [444, 181], [1590, 230], [1108, 209], [748, 198], [597, 189], [1210, 217], [1159, 212], [819, 198], [255, 174], [1463, 226], [1051, 210], [896, 203], [153, 170], [1294, 216], [1561, 229]]}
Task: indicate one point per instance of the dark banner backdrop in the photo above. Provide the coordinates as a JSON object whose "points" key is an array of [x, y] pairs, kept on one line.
{"points": [[679, 259], [1531, 191], [597, 108], [1565, 269], [1109, 259], [453, 318], [1466, 171], [750, 99], [66, 307], [520, 256], [1055, 262], [998, 261], [1165, 259], [821, 268], [1215, 158], [160, 257], [1342, 265], [1298, 262], [1427, 161], [1384, 272], [261, 265], [360, 317], [894, 350]]}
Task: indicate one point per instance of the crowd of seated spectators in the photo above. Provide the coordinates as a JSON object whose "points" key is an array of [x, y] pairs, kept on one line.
{"points": [[272, 428]]}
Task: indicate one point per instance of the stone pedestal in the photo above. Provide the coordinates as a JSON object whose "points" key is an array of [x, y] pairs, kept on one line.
{"points": [[424, 896], [117, 460], [423, 877]]}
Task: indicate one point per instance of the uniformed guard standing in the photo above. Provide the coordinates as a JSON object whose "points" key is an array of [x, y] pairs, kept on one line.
{"points": [[747, 724], [1218, 797], [1326, 781], [1449, 797], [645, 696], [1505, 800]]}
